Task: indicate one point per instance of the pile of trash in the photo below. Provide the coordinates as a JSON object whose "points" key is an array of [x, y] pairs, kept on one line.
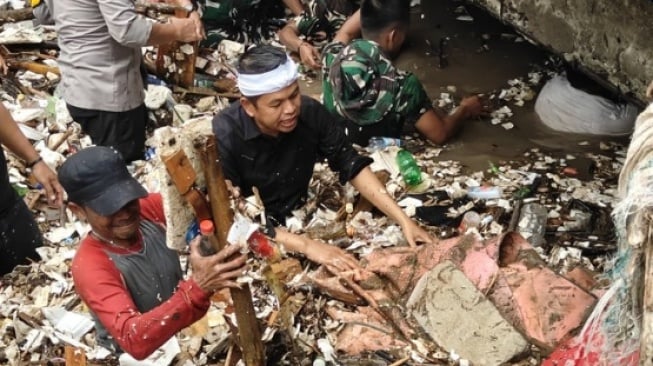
{"points": [[561, 204], [542, 220]]}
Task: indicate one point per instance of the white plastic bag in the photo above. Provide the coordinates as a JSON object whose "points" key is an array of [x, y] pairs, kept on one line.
{"points": [[564, 108]]}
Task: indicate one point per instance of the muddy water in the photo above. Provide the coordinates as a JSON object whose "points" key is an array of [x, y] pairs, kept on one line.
{"points": [[471, 71]]}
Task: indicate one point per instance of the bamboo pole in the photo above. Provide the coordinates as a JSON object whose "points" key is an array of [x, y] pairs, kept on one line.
{"points": [[248, 326]]}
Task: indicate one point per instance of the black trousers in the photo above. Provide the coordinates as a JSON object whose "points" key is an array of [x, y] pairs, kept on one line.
{"points": [[19, 237], [124, 131]]}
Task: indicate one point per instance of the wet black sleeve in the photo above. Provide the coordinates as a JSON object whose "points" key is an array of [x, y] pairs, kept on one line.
{"points": [[333, 143]]}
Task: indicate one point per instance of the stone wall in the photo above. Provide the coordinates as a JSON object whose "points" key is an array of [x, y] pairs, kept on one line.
{"points": [[612, 39]]}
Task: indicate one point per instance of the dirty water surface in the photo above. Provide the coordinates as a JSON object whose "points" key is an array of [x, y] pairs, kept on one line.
{"points": [[481, 57]]}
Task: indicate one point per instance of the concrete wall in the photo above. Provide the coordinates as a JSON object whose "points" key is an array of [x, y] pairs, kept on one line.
{"points": [[611, 38]]}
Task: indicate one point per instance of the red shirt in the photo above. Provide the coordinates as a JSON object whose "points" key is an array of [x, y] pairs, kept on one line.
{"points": [[100, 285]]}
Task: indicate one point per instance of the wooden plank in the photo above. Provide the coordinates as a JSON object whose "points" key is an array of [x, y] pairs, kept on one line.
{"points": [[180, 170], [249, 330], [15, 15], [184, 70], [74, 356]]}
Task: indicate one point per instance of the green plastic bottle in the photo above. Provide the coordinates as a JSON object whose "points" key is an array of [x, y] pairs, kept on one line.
{"points": [[408, 167]]}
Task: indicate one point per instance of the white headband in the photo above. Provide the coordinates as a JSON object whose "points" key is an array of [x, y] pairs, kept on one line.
{"points": [[251, 85]]}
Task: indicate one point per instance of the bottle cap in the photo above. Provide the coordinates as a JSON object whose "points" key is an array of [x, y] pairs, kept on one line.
{"points": [[206, 227]]}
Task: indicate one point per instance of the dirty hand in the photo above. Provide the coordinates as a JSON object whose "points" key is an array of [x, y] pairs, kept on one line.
{"points": [[649, 91], [48, 179], [186, 29], [324, 253], [235, 191], [218, 271], [309, 55], [473, 106], [414, 234], [199, 26]]}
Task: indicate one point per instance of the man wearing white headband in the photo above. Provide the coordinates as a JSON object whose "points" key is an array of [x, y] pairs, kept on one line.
{"points": [[271, 140]]}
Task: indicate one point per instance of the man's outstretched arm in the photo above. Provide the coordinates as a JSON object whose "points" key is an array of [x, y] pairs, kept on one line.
{"points": [[316, 251], [371, 188]]}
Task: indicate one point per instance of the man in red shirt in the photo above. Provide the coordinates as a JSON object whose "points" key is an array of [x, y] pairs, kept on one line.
{"points": [[123, 270]]}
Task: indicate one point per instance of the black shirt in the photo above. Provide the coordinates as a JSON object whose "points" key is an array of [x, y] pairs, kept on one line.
{"points": [[8, 195], [281, 167]]}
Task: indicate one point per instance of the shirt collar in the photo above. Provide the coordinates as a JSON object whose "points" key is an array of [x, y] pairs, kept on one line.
{"points": [[250, 129]]}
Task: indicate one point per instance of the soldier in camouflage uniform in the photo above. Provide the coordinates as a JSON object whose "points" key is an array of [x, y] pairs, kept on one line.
{"points": [[361, 84], [244, 21], [316, 26]]}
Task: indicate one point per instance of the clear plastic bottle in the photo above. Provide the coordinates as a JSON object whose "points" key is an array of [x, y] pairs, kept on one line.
{"points": [[532, 223], [484, 192], [379, 143], [471, 219], [206, 229], [408, 167]]}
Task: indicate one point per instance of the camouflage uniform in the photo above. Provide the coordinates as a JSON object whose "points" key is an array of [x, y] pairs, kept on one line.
{"points": [[361, 84], [324, 16], [244, 21]]}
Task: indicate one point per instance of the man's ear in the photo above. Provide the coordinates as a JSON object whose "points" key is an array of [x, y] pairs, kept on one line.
{"points": [[392, 35], [77, 210], [393, 38], [248, 106]]}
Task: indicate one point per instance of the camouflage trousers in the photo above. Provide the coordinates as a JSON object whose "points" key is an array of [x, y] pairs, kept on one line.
{"points": [[323, 18], [244, 21]]}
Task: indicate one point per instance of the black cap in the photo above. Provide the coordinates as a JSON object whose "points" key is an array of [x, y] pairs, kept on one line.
{"points": [[98, 178]]}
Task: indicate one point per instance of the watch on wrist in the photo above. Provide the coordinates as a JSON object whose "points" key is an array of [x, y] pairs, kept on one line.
{"points": [[30, 165]]}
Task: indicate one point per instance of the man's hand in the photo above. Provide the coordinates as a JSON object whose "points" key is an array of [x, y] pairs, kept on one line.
{"points": [[309, 55], [195, 16], [48, 179], [649, 91], [188, 29], [414, 234], [473, 107], [217, 271], [324, 253]]}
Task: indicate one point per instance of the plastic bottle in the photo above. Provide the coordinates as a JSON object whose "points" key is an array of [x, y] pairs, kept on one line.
{"points": [[408, 167], [259, 244], [484, 192], [206, 229], [471, 219], [192, 231], [532, 223], [487, 220], [380, 143]]}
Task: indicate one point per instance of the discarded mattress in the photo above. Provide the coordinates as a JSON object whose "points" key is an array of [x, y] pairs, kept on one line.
{"points": [[564, 108]]}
